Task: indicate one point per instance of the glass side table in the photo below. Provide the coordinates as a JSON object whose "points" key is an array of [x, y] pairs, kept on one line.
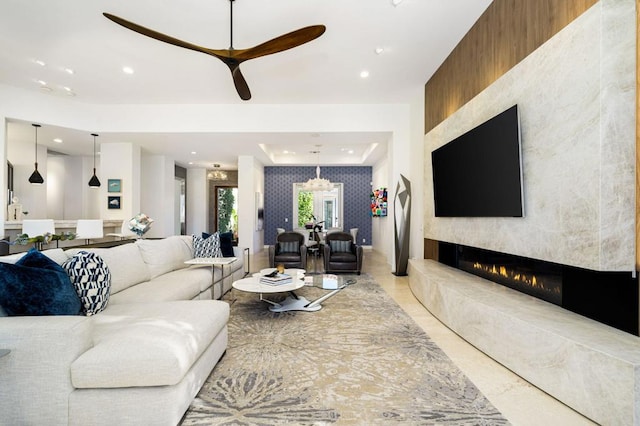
{"points": [[213, 262]]}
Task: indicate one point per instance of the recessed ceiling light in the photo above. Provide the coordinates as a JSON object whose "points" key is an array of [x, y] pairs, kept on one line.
{"points": [[364, 74], [127, 70], [379, 50], [285, 152], [350, 151], [57, 140], [69, 71], [46, 89], [41, 82], [39, 62], [193, 153]]}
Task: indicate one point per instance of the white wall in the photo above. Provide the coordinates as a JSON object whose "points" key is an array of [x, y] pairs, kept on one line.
{"points": [[250, 182], [32, 197], [55, 183], [197, 201], [157, 194], [416, 247], [120, 160], [382, 227], [3, 175], [576, 96], [68, 193]]}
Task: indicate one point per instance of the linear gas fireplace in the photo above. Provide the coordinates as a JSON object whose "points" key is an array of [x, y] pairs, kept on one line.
{"points": [[608, 297]]}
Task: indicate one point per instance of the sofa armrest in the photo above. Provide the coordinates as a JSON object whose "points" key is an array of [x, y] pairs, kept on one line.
{"points": [[238, 252], [36, 378]]}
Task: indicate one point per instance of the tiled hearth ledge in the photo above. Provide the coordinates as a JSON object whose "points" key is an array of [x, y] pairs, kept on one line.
{"points": [[591, 367]]}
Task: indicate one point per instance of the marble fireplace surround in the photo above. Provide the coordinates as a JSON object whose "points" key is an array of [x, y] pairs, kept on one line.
{"points": [[589, 366], [576, 97]]}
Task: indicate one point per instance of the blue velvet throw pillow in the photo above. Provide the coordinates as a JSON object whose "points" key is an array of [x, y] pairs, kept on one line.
{"points": [[36, 285], [226, 244]]}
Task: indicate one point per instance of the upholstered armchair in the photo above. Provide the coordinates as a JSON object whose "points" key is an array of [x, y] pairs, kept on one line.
{"points": [[341, 254], [289, 250]]}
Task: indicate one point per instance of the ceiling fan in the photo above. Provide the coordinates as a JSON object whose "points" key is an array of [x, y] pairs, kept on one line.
{"points": [[233, 57]]}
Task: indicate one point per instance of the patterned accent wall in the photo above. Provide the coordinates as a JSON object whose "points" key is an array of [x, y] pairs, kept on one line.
{"points": [[278, 197]]}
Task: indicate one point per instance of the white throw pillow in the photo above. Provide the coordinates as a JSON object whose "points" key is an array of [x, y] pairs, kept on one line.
{"points": [[164, 255]]}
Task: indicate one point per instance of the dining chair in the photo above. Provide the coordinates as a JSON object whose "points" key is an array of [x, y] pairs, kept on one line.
{"points": [[125, 232], [36, 227], [89, 228]]}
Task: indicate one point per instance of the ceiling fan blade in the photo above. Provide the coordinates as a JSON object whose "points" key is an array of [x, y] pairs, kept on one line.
{"points": [[283, 42], [241, 84], [220, 54]]}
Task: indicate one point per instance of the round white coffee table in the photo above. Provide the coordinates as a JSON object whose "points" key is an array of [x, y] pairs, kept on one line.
{"points": [[292, 302]]}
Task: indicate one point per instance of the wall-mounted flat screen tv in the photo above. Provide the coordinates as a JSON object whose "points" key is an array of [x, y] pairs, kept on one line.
{"points": [[479, 174]]}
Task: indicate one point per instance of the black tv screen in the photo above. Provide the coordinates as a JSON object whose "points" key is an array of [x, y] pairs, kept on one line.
{"points": [[479, 173]]}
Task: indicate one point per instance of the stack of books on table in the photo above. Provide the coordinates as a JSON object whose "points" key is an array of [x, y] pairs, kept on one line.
{"points": [[277, 280]]}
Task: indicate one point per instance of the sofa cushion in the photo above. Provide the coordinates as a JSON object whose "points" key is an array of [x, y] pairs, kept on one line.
{"points": [[165, 255], [91, 278], [36, 285], [184, 284], [57, 255], [125, 264], [207, 247], [151, 344]]}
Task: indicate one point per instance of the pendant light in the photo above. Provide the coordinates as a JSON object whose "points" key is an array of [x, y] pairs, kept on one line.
{"points": [[317, 183], [36, 177], [94, 182]]}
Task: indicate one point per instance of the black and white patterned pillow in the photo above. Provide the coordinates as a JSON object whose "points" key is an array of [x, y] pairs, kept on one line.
{"points": [[91, 278], [207, 247], [340, 246], [289, 247]]}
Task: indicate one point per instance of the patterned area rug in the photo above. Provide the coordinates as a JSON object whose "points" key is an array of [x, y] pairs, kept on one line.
{"points": [[359, 361]]}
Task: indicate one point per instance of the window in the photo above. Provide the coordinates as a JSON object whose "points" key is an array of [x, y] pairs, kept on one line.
{"points": [[325, 206]]}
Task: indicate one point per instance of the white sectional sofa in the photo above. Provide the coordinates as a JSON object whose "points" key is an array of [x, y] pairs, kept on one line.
{"points": [[140, 361]]}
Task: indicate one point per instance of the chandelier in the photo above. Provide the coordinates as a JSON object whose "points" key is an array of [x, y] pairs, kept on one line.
{"points": [[317, 183], [217, 174]]}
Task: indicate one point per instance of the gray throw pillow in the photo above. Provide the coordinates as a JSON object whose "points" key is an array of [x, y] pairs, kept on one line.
{"points": [[289, 247], [340, 246]]}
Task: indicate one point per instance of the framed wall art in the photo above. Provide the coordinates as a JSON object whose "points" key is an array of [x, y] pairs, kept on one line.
{"points": [[114, 185], [113, 202]]}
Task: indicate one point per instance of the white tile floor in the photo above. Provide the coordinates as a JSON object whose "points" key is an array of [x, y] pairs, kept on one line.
{"points": [[521, 403]]}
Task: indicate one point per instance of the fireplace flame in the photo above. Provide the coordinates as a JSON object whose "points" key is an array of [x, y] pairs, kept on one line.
{"points": [[504, 272]]}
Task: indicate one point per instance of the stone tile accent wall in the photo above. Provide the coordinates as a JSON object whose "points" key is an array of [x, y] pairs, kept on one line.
{"points": [[576, 96]]}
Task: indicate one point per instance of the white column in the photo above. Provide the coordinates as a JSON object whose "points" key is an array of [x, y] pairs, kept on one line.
{"points": [[197, 201]]}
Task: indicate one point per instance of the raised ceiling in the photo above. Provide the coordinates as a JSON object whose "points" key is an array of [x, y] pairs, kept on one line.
{"points": [[415, 37]]}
